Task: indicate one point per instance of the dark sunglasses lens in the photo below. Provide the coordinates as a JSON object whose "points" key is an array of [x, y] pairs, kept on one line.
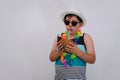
{"points": [[74, 23], [66, 22]]}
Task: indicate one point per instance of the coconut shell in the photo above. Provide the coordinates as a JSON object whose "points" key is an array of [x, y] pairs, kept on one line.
{"points": [[65, 42]]}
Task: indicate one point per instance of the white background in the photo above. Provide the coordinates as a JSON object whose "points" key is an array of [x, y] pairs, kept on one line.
{"points": [[28, 29]]}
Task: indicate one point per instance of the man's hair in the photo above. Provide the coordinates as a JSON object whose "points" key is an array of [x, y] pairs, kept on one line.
{"points": [[70, 15]]}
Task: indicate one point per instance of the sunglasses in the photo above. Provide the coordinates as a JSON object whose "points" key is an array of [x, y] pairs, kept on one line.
{"points": [[74, 23]]}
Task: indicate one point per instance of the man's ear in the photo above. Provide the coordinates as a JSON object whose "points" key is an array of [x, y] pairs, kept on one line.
{"points": [[81, 24]]}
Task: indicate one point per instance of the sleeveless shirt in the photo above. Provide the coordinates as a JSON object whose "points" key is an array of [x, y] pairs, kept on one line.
{"points": [[76, 68]]}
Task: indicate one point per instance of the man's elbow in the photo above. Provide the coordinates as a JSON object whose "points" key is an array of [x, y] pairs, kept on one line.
{"points": [[92, 61], [51, 59]]}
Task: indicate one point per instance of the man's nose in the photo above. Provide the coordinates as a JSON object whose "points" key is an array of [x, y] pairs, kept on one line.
{"points": [[70, 25]]}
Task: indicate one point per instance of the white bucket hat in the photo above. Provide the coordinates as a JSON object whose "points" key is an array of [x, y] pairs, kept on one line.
{"points": [[75, 11]]}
